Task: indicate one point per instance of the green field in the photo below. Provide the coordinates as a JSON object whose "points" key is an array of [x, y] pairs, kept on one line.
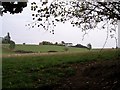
{"points": [[48, 70], [40, 48]]}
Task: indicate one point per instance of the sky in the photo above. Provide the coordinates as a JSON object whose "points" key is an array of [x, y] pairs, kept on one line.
{"points": [[20, 33]]}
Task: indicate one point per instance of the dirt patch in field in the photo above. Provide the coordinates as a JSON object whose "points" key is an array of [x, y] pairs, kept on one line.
{"points": [[22, 51], [36, 54], [95, 75]]}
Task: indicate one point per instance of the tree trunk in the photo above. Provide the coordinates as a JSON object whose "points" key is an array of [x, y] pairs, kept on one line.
{"points": [[118, 33]]}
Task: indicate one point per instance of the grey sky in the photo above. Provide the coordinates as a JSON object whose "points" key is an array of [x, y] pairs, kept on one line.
{"points": [[15, 25]]}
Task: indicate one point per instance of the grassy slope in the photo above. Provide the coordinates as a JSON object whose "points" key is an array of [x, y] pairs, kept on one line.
{"points": [[41, 48], [40, 71], [44, 48]]}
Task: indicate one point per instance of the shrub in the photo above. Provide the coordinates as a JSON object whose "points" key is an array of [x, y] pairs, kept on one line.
{"points": [[89, 46], [24, 43]]}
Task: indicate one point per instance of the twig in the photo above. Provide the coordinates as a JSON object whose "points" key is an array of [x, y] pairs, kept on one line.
{"points": [[106, 37]]}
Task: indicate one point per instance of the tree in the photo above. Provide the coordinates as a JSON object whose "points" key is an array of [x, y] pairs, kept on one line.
{"points": [[89, 46], [62, 42], [56, 43], [46, 43], [80, 46], [12, 45], [85, 15], [13, 7], [24, 43]]}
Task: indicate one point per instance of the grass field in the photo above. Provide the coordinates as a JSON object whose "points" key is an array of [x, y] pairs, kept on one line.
{"points": [[49, 70], [40, 48]]}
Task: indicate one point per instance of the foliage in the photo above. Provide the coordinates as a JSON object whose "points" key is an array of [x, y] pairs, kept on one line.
{"points": [[13, 7], [46, 43], [24, 43], [85, 15], [56, 43], [12, 45], [89, 46], [62, 42], [80, 46]]}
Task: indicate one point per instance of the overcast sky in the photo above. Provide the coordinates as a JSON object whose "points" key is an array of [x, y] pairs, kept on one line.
{"points": [[15, 25]]}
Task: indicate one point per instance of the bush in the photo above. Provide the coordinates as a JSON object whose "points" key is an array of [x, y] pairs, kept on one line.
{"points": [[24, 43], [89, 46], [12, 45], [46, 43]]}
